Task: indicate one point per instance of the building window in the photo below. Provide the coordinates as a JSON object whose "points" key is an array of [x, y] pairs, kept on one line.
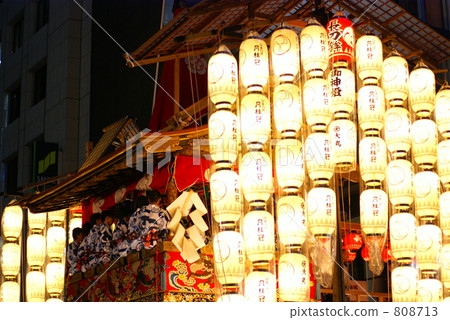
{"points": [[40, 84], [42, 13], [13, 102], [17, 35], [12, 169]]}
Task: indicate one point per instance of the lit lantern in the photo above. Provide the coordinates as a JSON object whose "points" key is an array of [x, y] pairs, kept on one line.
{"points": [[75, 222], [422, 90], [37, 221], [10, 259], [54, 277], [351, 255], [365, 253], [353, 241], [223, 132], [253, 62], [232, 298], [369, 58], [57, 217], [443, 110], [314, 48], [260, 286], [12, 222], [259, 235], [444, 205], [403, 236], [222, 78], [400, 176], [343, 141], [429, 290], [443, 165], [395, 78], [36, 250], [290, 167], [445, 265], [374, 212], [319, 156], [321, 204], [287, 109], [54, 300], [229, 258], [373, 160], [404, 284], [255, 119], [429, 243], [255, 171], [35, 284], [225, 195], [56, 242], [293, 277], [426, 192], [285, 53], [341, 40], [316, 103], [397, 132], [292, 220], [10, 292], [371, 109], [424, 142], [342, 91]]}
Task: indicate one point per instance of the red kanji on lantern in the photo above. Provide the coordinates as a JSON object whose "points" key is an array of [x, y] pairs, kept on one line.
{"points": [[365, 253], [341, 43], [353, 241]]}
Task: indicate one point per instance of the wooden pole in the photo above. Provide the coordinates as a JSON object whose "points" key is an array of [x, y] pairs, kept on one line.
{"points": [[176, 87]]}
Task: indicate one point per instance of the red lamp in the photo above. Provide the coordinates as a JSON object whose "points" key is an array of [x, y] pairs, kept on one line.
{"points": [[353, 241], [365, 253]]}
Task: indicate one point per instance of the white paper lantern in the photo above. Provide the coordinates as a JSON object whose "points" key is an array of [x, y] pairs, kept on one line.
{"points": [[443, 110], [285, 53], [314, 48], [395, 78], [424, 142], [225, 196], [35, 283], [12, 222], [292, 220], [253, 62], [57, 216], [232, 298], [293, 277], [10, 261], [10, 292], [404, 284], [259, 236], [403, 236], [54, 277], [316, 103], [371, 109], [255, 119], [255, 171], [429, 243], [373, 160], [290, 166], [229, 257], [223, 133], [36, 250], [260, 286], [223, 78], [400, 174], [321, 204], [374, 212], [56, 242], [319, 156], [54, 300], [443, 166], [37, 221], [343, 141], [422, 90], [369, 58], [426, 194], [444, 205], [429, 290], [342, 91], [397, 133], [445, 265], [287, 109]]}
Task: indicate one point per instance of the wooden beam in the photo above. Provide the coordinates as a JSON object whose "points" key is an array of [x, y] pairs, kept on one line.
{"points": [[413, 54], [219, 8], [443, 60], [388, 38], [440, 70], [398, 15]]}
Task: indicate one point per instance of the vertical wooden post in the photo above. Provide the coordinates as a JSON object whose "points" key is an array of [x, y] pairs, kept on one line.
{"points": [[176, 87]]}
